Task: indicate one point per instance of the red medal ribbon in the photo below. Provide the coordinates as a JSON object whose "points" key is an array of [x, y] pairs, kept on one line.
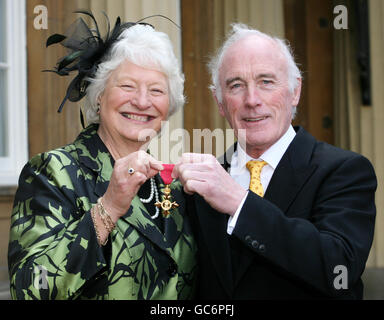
{"points": [[166, 173]]}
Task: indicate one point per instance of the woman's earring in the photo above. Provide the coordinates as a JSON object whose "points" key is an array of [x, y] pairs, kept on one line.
{"points": [[98, 108]]}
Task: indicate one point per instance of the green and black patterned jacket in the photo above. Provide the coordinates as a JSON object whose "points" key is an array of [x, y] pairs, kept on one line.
{"points": [[53, 251]]}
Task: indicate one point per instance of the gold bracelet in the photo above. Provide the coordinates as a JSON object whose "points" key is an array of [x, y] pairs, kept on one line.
{"points": [[96, 228], [105, 217]]}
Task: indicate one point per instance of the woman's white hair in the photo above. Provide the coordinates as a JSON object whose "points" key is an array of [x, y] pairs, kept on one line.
{"points": [[147, 48], [238, 32]]}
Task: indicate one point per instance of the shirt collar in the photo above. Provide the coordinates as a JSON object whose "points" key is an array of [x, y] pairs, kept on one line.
{"points": [[272, 155]]}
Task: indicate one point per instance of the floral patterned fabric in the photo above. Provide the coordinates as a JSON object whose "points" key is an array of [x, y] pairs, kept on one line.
{"points": [[53, 250]]}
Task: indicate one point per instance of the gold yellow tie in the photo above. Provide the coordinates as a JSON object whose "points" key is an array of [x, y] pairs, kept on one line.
{"points": [[254, 168]]}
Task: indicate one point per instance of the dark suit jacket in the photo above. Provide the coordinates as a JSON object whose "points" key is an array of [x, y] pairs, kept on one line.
{"points": [[318, 213]]}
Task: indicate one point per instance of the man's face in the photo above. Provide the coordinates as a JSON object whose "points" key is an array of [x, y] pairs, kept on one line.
{"points": [[255, 92]]}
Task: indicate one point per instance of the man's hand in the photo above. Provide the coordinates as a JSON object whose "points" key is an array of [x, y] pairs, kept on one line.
{"points": [[203, 174]]}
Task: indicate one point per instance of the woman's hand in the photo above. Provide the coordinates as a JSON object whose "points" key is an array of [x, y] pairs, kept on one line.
{"points": [[123, 185]]}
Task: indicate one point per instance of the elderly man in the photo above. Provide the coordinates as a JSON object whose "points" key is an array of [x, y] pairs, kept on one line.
{"points": [[284, 216]]}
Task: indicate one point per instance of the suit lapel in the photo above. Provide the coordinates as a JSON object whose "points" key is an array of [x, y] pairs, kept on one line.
{"points": [[93, 154], [214, 228], [292, 171]]}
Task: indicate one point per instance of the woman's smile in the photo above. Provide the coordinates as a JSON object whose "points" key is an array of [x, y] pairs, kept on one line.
{"points": [[137, 118]]}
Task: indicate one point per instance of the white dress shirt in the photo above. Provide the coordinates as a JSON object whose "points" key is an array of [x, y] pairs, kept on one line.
{"points": [[241, 175]]}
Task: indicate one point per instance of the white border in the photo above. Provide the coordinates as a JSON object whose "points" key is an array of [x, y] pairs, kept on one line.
{"points": [[11, 165]]}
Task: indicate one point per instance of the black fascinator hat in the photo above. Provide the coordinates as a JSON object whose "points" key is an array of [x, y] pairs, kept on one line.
{"points": [[86, 50]]}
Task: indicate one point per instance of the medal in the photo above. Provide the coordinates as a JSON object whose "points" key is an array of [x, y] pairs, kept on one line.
{"points": [[166, 204]]}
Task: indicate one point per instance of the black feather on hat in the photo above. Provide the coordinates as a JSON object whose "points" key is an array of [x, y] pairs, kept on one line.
{"points": [[86, 50]]}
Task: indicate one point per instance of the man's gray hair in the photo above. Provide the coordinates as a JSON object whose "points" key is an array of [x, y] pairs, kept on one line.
{"points": [[238, 32], [147, 48]]}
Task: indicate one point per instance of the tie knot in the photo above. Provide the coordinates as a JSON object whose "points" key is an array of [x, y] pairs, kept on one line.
{"points": [[255, 166]]}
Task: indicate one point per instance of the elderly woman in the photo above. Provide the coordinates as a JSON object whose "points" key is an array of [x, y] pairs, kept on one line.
{"points": [[84, 223]]}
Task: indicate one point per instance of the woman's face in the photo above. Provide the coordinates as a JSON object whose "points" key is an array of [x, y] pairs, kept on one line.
{"points": [[133, 104]]}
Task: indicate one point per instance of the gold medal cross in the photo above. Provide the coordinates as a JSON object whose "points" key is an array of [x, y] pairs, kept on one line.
{"points": [[166, 204]]}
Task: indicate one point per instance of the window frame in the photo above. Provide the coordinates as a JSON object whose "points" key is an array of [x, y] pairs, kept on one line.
{"points": [[16, 93]]}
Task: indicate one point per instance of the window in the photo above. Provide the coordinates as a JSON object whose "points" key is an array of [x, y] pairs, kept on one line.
{"points": [[13, 92]]}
